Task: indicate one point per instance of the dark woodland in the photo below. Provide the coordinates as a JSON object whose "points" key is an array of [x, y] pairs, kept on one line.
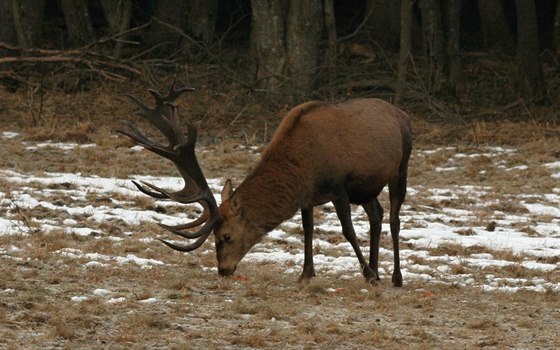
{"points": [[445, 59]]}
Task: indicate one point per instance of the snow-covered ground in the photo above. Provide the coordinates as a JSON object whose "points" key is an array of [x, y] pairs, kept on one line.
{"points": [[425, 227]]}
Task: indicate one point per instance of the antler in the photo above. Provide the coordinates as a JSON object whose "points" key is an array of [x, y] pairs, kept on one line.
{"points": [[181, 151]]}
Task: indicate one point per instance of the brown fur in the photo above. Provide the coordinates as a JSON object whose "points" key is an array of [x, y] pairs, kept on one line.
{"points": [[356, 144], [344, 153], [320, 152]]}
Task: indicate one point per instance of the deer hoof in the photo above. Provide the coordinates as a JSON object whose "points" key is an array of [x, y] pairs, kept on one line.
{"points": [[306, 276], [397, 279]]}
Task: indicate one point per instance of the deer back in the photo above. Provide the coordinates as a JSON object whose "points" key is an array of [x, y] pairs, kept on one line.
{"points": [[320, 149]]}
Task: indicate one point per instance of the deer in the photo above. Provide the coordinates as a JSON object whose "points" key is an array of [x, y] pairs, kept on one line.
{"points": [[344, 153]]}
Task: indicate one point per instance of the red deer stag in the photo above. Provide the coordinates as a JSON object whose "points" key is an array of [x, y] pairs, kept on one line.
{"points": [[343, 153]]}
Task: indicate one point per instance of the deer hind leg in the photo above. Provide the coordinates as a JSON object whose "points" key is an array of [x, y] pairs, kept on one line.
{"points": [[397, 193], [307, 223], [374, 212], [342, 206]]}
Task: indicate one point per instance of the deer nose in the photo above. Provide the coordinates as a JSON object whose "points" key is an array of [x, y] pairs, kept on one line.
{"points": [[226, 271]]}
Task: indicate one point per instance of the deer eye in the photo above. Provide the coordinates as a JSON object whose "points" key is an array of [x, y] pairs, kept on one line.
{"points": [[227, 238]]}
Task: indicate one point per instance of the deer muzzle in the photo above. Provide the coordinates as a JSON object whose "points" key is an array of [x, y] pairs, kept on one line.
{"points": [[226, 271]]}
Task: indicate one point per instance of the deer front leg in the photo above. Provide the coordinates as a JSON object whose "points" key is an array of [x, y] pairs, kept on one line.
{"points": [[374, 212], [307, 223], [342, 206], [397, 193]]}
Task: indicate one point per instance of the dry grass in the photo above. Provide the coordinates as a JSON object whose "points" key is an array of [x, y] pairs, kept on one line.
{"points": [[261, 306], [266, 310]]}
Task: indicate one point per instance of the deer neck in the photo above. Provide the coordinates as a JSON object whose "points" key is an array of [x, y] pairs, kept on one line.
{"points": [[270, 195]]}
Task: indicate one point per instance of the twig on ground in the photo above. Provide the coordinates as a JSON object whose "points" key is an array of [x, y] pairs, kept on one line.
{"points": [[22, 216], [497, 110]]}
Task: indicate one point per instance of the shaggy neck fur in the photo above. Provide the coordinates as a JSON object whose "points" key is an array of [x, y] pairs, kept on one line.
{"points": [[279, 184], [271, 194]]}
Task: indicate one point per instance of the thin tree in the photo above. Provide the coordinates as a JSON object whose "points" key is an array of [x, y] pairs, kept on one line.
{"points": [[529, 69], [7, 28], [433, 43], [453, 10], [23, 22], [201, 19], [493, 24], [405, 48], [165, 33], [330, 29], [78, 22], [383, 21], [117, 15], [556, 35]]}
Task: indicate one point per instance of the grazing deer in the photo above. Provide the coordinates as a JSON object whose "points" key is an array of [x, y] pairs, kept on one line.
{"points": [[341, 153]]}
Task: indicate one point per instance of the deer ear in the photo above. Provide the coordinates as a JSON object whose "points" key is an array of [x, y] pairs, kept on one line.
{"points": [[227, 191]]}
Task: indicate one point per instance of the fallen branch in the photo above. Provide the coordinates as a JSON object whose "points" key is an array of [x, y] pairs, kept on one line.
{"points": [[496, 110], [105, 66]]}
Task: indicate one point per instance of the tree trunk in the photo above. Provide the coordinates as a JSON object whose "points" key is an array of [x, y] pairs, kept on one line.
{"points": [[305, 23], [434, 44], [285, 42], [453, 12], [405, 48], [529, 69], [330, 29], [78, 23], [201, 19], [27, 20], [7, 27], [383, 21], [495, 30], [117, 14], [268, 42], [556, 33], [166, 30]]}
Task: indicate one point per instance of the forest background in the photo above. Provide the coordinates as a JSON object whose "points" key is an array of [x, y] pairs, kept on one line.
{"points": [[459, 62]]}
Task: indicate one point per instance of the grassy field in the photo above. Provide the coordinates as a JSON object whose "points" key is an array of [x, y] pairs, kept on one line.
{"points": [[81, 268]]}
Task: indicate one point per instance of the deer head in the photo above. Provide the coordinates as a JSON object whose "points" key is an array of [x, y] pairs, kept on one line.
{"points": [[235, 234], [232, 242]]}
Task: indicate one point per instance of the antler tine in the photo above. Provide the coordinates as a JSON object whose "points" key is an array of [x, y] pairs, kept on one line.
{"points": [[172, 95], [142, 140], [195, 223], [185, 160], [134, 133], [190, 247], [189, 235], [161, 116], [184, 196], [178, 229], [183, 155], [159, 119], [202, 234], [181, 151], [148, 192]]}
